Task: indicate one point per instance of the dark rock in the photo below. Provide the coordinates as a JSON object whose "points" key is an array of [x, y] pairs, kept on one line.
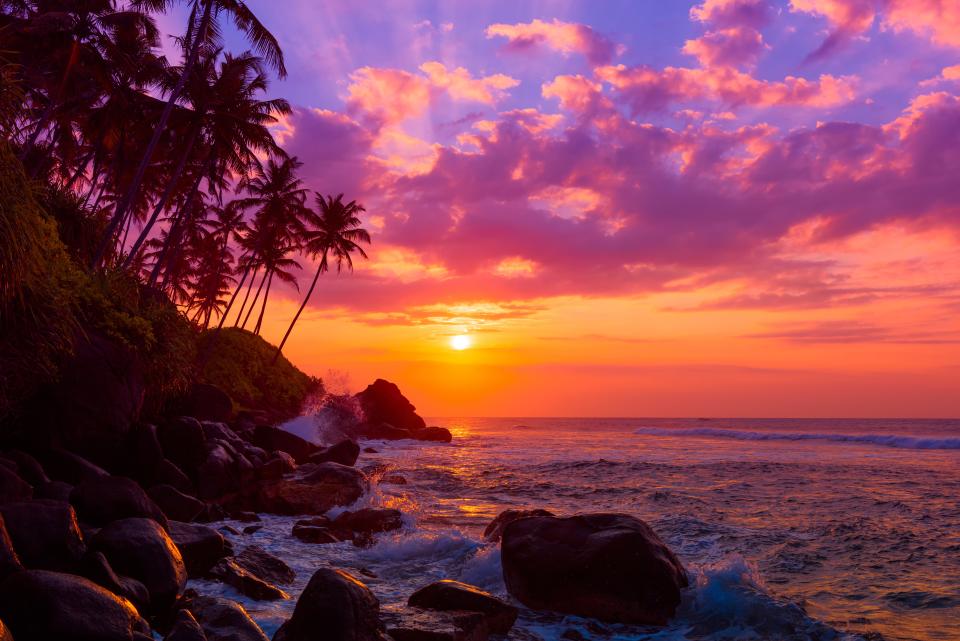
{"points": [[167, 473], [386, 432], [229, 529], [12, 487], [144, 454], [212, 512], [337, 604], [98, 569], [63, 465], [175, 504], [424, 625], [5, 634], [185, 628], [494, 530], [245, 517], [45, 534], [258, 561], [252, 529], [224, 620], [453, 595], [281, 464], [224, 471], [28, 468], [394, 479], [246, 582], [104, 500], [314, 534], [47, 606], [321, 488], [382, 402], [436, 434], [273, 438], [9, 464], [221, 433], [9, 561], [368, 520], [139, 548], [183, 442], [208, 403], [611, 567], [345, 453], [54, 491], [201, 547], [370, 450]]}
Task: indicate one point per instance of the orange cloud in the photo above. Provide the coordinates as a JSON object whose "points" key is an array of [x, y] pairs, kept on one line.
{"points": [[460, 85], [565, 37], [575, 93], [389, 95]]}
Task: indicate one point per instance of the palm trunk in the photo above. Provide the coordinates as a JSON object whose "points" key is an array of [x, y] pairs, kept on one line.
{"points": [[256, 297], [246, 296], [236, 292], [306, 299], [266, 295]]}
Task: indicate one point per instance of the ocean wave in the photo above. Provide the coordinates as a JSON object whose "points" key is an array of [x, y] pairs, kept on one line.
{"points": [[887, 440]]}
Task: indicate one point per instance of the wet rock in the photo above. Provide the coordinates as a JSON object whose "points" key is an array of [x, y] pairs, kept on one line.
{"points": [[452, 595], [12, 487], [325, 486], [229, 529], [314, 534], [252, 529], [394, 479], [382, 402], [144, 454], [207, 403], [218, 474], [611, 567], [245, 517], [258, 561], [168, 473], [62, 465], [339, 605], [275, 468], [433, 433], [45, 534], [221, 433], [224, 620], [39, 605], [494, 530], [5, 634], [370, 450], [98, 569], [139, 548], [185, 628], [386, 432], [28, 468], [273, 438], [345, 453], [54, 491], [103, 500], [368, 521], [175, 504], [9, 561], [201, 547], [183, 442], [247, 583], [424, 625]]}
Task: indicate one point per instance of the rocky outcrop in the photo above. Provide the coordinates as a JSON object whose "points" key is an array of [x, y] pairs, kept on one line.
{"points": [[175, 504], [42, 606], [224, 620], [258, 561], [345, 453], [426, 625], [140, 549], [369, 520], [9, 561], [97, 568], [382, 402], [201, 547], [337, 604], [183, 442], [63, 465], [185, 628], [316, 489], [611, 567], [273, 439], [245, 582], [28, 468], [207, 402], [433, 433], [103, 500], [45, 534], [12, 487], [494, 531], [447, 595]]}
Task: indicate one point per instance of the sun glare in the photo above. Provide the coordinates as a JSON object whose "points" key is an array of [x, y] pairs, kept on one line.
{"points": [[460, 342]]}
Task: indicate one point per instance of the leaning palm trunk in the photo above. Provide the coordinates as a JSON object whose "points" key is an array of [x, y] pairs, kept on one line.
{"points": [[320, 268], [236, 292], [256, 297], [266, 295], [246, 297]]}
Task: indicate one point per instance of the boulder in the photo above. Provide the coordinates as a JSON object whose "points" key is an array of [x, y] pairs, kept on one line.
{"points": [[9, 561], [28, 468], [12, 487], [278, 466], [5, 634], [494, 530], [201, 547], [183, 442], [393, 479], [98, 569], [368, 520], [433, 433], [224, 620], [452, 595], [144, 454], [314, 534], [382, 402], [45, 534], [224, 471], [208, 403], [345, 453], [611, 567], [425, 625], [319, 489], [139, 548], [386, 432], [104, 500], [175, 504], [258, 561], [63, 465], [54, 491], [273, 438], [245, 582], [168, 473], [337, 604], [185, 628], [43, 606]]}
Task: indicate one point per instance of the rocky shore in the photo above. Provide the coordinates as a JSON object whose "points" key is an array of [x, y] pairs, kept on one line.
{"points": [[103, 550]]}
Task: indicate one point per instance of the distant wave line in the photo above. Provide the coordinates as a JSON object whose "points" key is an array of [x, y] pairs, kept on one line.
{"points": [[887, 440]]}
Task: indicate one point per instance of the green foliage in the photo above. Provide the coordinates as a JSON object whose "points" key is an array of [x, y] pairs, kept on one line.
{"points": [[241, 363]]}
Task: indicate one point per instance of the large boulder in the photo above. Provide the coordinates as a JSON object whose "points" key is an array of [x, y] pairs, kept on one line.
{"points": [[433, 433], [185, 628], [611, 567], [272, 439], [144, 454], [369, 520], [97, 568], [385, 432], [320, 488], [425, 625], [42, 606], [9, 561], [255, 559], [224, 620], [45, 534], [5, 634], [449, 595], [175, 504], [382, 402], [200, 546], [12, 487], [208, 403], [101, 501], [139, 548], [336, 606], [183, 442], [223, 471], [69, 467], [494, 530], [28, 468], [345, 453], [245, 582]]}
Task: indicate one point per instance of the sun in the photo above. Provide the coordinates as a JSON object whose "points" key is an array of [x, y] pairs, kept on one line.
{"points": [[460, 342]]}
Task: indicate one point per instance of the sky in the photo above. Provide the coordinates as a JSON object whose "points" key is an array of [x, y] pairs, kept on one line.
{"points": [[633, 208]]}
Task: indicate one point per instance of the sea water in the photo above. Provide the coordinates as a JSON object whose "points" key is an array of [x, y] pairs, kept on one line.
{"points": [[789, 529]]}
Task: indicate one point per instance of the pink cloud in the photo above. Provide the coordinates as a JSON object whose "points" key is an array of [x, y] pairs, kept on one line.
{"points": [[565, 37], [460, 85], [388, 95], [733, 46], [733, 13]]}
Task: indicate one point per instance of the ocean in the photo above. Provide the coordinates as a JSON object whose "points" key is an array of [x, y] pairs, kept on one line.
{"points": [[790, 529]]}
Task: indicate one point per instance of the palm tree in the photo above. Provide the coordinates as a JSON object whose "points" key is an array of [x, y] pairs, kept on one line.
{"points": [[336, 233]]}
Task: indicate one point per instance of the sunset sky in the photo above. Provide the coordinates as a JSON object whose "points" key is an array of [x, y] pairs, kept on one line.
{"points": [[636, 207]]}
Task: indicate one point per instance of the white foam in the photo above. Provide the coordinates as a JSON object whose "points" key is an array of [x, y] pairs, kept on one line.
{"points": [[887, 440]]}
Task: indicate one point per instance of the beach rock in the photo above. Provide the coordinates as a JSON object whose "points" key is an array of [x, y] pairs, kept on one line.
{"points": [[185, 628], [425, 625], [393, 479], [144, 453], [139, 548], [345, 453], [275, 468], [452, 595], [382, 402], [433, 433], [12, 487], [314, 534], [175, 504], [245, 517], [386, 432], [54, 491], [323, 487], [207, 403], [28, 468], [201, 547], [339, 605], [222, 433], [224, 620], [5, 634], [273, 438], [252, 529], [97, 568], [368, 521], [258, 561], [103, 500], [183, 442], [39, 605], [167, 473], [245, 582], [9, 561], [370, 450], [494, 530], [63, 465], [611, 567], [45, 534], [223, 471]]}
